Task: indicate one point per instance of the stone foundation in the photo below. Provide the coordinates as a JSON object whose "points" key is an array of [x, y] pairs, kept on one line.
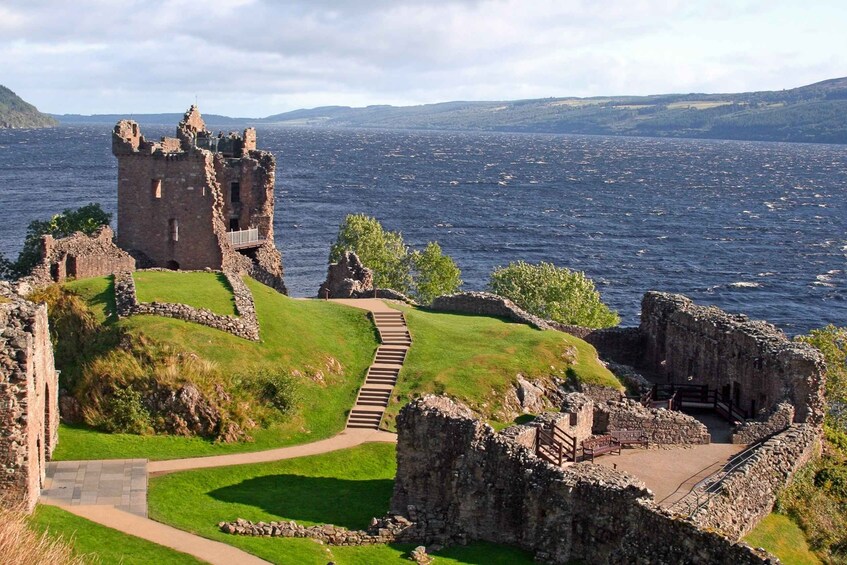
{"points": [[460, 481], [663, 427], [245, 326], [486, 304], [384, 530]]}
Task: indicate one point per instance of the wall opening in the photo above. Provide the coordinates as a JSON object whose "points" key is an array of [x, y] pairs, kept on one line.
{"points": [[173, 230], [235, 192], [156, 188], [233, 224], [172, 265]]}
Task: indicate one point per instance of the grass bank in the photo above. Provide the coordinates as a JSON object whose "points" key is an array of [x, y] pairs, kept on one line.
{"points": [[476, 359], [346, 488], [325, 347], [782, 537], [197, 289]]}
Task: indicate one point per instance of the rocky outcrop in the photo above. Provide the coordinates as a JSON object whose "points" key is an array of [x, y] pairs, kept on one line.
{"points": [[458, 481], [348, 278], [184, 411], [245, 326]]}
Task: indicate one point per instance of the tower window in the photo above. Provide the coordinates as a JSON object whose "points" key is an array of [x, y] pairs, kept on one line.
{"points": [[235, 192], [173, 229], [156, 187]]}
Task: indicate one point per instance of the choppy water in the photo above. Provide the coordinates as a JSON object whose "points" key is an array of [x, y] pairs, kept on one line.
{"points": [[759, 228]]}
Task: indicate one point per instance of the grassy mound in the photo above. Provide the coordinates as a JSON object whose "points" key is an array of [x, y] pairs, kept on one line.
{"points": [[200, 290], [346, 488], [324, 348], [782, 537], [476, 359], [93, 543]]}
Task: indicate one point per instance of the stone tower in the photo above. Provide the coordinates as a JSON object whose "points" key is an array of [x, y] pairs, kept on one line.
{"points": [[197, 200]]}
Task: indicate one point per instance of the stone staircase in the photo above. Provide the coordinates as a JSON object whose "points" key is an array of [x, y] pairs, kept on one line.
{"points": [[382, 374]]}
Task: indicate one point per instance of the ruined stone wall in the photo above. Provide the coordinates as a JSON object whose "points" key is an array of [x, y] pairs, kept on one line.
{"points": [[246, 325], [29, 406], [458, 481], [748, 492], [486, 304], [663, 427], [79, 256], [766, 425], [758, 365]]}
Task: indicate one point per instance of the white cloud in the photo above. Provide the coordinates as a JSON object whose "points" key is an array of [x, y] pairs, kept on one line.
{"points": [[253, 57]]}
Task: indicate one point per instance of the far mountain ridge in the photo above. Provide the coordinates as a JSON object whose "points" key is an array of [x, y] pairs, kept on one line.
{"points": [[815, 113], [16, 113]]}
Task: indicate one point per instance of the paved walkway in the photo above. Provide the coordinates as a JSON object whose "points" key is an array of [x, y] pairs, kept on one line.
{"points": [[121, 483]]}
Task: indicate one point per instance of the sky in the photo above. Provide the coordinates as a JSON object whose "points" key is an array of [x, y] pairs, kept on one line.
{"points": [[254, 58]]}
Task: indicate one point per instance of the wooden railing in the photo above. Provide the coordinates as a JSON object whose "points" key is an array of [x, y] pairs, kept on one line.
{"points": [[555, 446], [678, 395]]}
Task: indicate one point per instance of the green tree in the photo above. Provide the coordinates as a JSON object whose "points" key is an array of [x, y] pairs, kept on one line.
{"points": [[86, 219], [832, 342], [554, 293], [433, 273], [381, 251]]}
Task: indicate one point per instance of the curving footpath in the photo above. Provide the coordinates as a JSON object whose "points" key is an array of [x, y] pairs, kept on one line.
{"points": [[84, 503]]}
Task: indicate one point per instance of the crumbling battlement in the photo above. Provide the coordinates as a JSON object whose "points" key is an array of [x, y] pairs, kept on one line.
{"points": [[751, 362], [458, 480], [198, 200], [29, 404], [79, 256]]}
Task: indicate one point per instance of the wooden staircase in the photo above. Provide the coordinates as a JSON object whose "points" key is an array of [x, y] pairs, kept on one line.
{"points": [[382, 375]]}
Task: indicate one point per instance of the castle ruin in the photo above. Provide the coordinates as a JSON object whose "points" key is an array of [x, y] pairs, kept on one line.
{"points": [[197, 201], [29, 401]]}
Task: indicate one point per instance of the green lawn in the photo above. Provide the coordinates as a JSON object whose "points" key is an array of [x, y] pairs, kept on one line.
{"points": [[101, 545], [345, 488], [201, 290], [476, 359], [328, 345], [781, 536]]}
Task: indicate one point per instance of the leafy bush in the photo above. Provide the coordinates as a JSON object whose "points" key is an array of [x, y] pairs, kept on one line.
{"points": [[421, 274], [124, 412], [554, 293], [833, 480], [832, 342], [86, 219], [433, 274]]}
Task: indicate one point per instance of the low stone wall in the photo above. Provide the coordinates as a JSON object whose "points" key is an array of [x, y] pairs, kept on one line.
{"points": [[245, 326], [765, 426], [459, 481], [384, 530], [486, 304], [748, 492], [663, 427]]}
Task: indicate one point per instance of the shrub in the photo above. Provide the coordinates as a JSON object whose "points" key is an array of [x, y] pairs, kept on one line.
{"points": [[554, 293], [278, 388], [433, 274], [833, 480], [381, 251], [124, 412], [832, 342]]}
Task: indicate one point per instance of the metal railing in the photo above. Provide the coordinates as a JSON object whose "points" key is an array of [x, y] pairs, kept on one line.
{"points": [[244, 237]]}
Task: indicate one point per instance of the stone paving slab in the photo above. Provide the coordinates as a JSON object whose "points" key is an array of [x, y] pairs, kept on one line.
{"points": [[121, 483]]}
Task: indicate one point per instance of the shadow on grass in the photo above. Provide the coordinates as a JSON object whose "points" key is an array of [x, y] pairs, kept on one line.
{"points": [[106, 300], [320, 500]]}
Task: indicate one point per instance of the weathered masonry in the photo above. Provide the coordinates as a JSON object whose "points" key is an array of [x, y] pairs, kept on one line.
{"points": [[29, 402], [198, 200]]}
